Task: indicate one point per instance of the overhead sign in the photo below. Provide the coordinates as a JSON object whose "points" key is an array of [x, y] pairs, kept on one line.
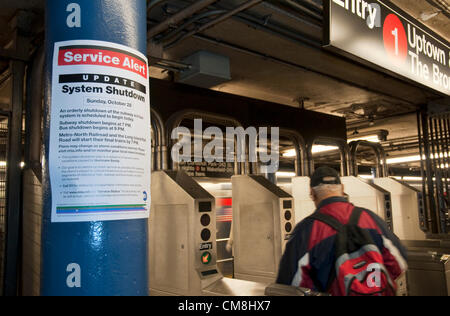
{"points": [[100, 147], [375, 32]]}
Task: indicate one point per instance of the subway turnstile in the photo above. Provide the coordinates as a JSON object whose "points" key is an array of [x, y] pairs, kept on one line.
{"points": [[181, 236], [360, 193], [182, 241], [304, 205], [263, 219], [369, 196], [428, 267], [428, 274], [407, 208]]}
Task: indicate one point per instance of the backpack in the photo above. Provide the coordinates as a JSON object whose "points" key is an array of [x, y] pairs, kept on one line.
{"points": [[359, 266]]}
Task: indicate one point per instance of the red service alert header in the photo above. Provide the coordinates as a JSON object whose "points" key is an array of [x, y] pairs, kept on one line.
{"points": [[99, 56]]}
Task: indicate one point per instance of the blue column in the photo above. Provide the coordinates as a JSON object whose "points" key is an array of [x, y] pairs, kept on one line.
{"points": [[112, 255]]}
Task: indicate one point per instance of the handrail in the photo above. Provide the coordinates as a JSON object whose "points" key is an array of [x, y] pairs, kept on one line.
{"points": [[343, 149], [160, 140], [301, 160], [380, 154]]}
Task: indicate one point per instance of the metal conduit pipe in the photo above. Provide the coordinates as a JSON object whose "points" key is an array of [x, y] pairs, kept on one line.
{"points": [[4, 77], [312, 4], [34, 112], [380, 154], [269, 28], [305, 10], [245, 17], [251, 52], [291, 15], [178, 17], [189, 22], [298, 40], [154, 3], [160, 140], [214, 22], [441, 5], [176, 119], [280, 32]]}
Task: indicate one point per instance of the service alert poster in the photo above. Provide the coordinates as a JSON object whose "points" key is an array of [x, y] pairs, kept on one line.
{"points": [[385, 36], [100, 145]]}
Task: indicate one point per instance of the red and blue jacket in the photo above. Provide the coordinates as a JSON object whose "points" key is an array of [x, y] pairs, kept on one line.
{"points": [[309, 258]]}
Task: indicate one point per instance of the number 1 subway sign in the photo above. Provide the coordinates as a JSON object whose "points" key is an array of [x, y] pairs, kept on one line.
{"points": [[100, 145], [378, 33]]}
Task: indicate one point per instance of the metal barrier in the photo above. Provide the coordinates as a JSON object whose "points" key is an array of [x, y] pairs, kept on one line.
{"points": [[301, 157], [160, 154], [434, 133], [301, 161], [381, 163], [176, 119], [343, 151], [4, 122]]}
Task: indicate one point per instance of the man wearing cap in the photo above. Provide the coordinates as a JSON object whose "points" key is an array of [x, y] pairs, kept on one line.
{"points": [[309, 259]]}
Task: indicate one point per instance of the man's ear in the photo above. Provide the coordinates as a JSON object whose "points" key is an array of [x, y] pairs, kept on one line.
{"points": [[343, 189]]}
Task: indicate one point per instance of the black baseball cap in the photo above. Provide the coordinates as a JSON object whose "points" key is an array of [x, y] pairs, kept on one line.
{"points": [[324, 175]]}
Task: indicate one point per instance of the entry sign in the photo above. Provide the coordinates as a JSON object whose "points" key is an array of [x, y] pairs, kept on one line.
{"points": [[100, 147], [375, 32]]}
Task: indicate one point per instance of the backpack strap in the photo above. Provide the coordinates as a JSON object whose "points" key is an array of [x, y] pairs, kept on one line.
{"points": [[356, 215], [327, 219], [336, 225]]}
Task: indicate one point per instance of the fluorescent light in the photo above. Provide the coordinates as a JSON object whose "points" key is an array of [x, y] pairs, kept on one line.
{"points": [[322, 148], [420, 179], [3, 164], [281, 174], [393, 161], [366, 176], [412, 178], [290, 153], [210, 186], [315, 150], [371, 138]]}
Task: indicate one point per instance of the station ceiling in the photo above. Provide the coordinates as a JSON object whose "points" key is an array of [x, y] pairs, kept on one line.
{"points": [[275, 54], [269, 61]]}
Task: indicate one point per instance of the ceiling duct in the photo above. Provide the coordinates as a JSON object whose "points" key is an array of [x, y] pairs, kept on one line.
{"points": [[207, 69]]}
